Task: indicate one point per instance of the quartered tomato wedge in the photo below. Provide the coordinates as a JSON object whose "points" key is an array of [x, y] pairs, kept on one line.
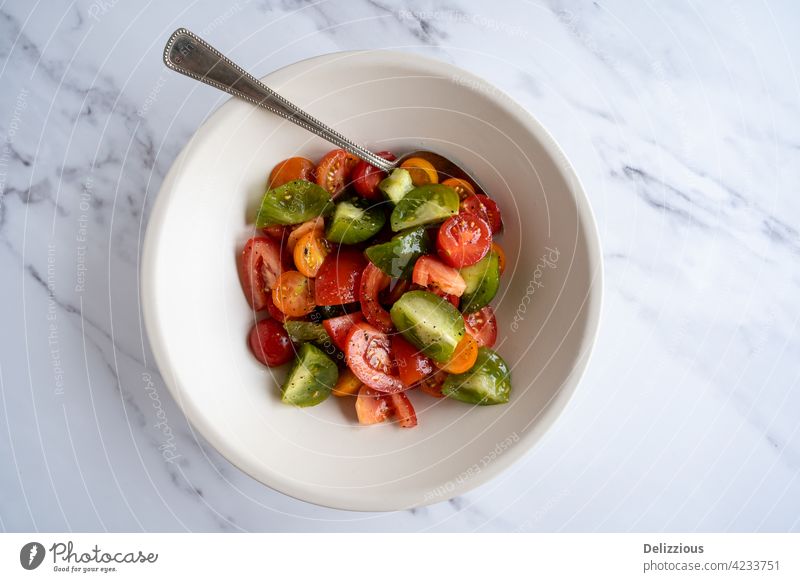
{"points": [[369, 356], [347, 384], [373, 281], [372, 407], [310, 252], [339, 277], [464, 357], [421, 170], [463, 240], [339, 327], [334, 170], [260, 268], [293, 294], [366, 177], [482, 325], [270, 343], [412, 365], [432, 385], [432, 273], [486, 208], [462, 187], [290, 170], [403, 410]]}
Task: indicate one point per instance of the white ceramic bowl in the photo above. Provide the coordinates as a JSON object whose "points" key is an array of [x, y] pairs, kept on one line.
{"points": [[197, 318]]}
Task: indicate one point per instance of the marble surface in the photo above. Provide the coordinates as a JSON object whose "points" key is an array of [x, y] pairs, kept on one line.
{"points": [[681, 119]]}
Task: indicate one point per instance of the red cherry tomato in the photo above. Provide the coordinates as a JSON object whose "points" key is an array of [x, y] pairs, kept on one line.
{"points": [[412, 365], [270, 343], [403, 410], [339, 327], [373, 281], [463, 240], [290, 170], [366, 177], [274, 312], [372, 407], [432, 385], [432, 273], [333, 170], [486, 208], [482, 325], [339, 277], [369, 357], [260, 268]]}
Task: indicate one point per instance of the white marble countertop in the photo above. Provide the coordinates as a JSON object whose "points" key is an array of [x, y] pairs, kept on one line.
{"points": [[682, 121]]}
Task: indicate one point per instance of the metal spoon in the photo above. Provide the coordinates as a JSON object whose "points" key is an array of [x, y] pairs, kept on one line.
{"points": [[190, 55]]}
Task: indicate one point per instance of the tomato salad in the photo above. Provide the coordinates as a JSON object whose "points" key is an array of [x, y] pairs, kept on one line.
{"points": [[375, 285]]}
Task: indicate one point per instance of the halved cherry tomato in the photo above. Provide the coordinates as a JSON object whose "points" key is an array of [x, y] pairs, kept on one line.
{"points": [[482, 325], [396, 292], [347, 384], [463, 187], [501, 257], [486, 208], [260, 268], [464, 357], [366, 177], [333, 170], [270, 343], [373, 281], [403, 410], [422, 171], [432, 385], [290, 170], [412, 365], [372, 407], [339, 327], [339, 278], [310, 251], [463, 240], [303, 229], [369, 356], [274, 312], [432, 273], [350, 163], [293, 294]]}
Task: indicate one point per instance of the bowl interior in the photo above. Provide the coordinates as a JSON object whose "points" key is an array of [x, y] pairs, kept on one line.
{"points": [[198, 319]]}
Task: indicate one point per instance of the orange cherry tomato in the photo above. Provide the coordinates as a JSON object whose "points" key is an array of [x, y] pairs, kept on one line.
{"points": [[290, 170], [462, 187], [293, 294], [301, 230], [501, 256], [347, 384], [464, 357], [309, 252], [422, 171]]}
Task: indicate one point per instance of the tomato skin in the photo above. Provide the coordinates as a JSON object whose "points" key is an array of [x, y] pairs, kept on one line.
{"points": [[453, 299], [293, 294], [482, 325], [373, 281], [366, 177], [403, 410], [412, 365], [464, 357], [339, 327], [270, 343], [339, 277], [486, 208], [501, 257], [290, 170], [463, 240], [368, 355], [260, 267], [333, 170], [432, 273], [432, 385], [372, 407]]}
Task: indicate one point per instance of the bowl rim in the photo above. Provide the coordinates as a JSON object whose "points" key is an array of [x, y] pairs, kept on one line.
{"points": [[593, 302]]}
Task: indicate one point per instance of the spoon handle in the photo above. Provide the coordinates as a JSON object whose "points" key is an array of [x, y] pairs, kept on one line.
{"points": [[190, 55]]}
